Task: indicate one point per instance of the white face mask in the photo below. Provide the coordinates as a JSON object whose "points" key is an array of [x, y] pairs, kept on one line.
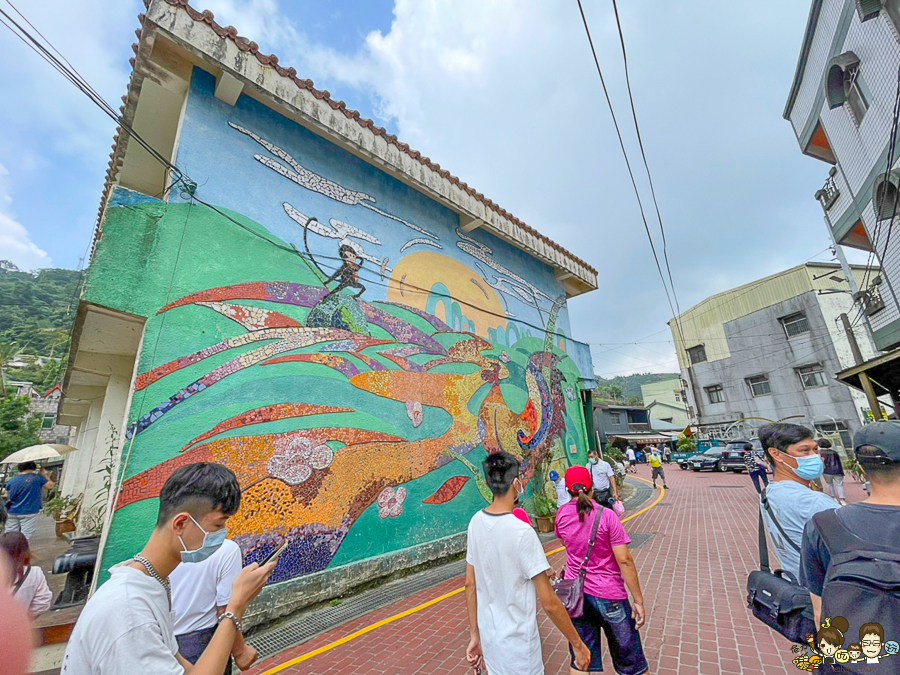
{"points": [[520, 492]]}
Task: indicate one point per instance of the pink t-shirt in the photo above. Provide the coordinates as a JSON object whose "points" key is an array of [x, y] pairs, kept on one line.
{"points": [[604, 579]]}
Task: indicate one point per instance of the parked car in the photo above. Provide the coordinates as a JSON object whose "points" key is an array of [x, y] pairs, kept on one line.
{"points": [[685, 462], [714, 460]]}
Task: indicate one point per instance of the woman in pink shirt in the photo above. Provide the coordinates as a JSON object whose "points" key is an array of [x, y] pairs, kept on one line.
{"points": [[610, 570]]}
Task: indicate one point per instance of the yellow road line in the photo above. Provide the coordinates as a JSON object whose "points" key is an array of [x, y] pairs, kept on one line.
{"points": [[418, 608]]}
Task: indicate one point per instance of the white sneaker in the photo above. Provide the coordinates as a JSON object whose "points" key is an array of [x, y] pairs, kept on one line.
{"points": [[843, 502]]}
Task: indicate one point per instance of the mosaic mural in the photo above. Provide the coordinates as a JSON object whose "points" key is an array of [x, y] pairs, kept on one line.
{"points": [[336, 350]]}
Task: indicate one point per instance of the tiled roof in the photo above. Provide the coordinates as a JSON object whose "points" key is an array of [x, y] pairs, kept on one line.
{"points": [[245, 45]]}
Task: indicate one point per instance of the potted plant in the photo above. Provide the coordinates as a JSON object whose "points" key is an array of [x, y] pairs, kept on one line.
{"points": [[64, 510], [543, 509]]}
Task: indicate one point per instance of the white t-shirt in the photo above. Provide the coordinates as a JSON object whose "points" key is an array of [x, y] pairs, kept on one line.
{"points": [[601, 472], [34, 593], [562, 495], [198, 588], [126, 628], [507, 554], [630, 454]]}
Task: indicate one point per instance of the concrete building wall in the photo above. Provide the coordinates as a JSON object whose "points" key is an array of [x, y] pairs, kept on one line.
{"points": [[759, 346], [355, 421], [861, 148]]}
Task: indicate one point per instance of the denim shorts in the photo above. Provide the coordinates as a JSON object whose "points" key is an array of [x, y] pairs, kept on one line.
{"points": [[613, 617]]}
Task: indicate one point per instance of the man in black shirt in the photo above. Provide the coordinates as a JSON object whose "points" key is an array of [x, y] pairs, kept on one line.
{"points": [[875, 520], [834, 471]]}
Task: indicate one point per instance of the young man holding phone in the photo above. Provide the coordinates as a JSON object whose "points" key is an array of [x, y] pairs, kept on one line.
{"points": [[127, 626]]}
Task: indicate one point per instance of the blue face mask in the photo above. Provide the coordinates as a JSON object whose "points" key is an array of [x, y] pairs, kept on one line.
{"points": [[808, 468], [211, 543]]}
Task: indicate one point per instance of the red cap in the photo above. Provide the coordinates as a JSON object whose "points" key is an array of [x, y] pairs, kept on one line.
{"points": [[578, 479]]}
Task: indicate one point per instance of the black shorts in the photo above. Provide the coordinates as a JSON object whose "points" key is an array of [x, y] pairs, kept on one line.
{"points": [[658, 472]]}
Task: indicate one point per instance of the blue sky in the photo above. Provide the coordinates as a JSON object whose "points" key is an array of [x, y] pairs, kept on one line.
{"points": [[504, 94]]}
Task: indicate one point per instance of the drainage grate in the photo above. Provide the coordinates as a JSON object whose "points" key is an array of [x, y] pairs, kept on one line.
{"points": [[727, 486], [321, 619], [638, 539], [665, 504]]}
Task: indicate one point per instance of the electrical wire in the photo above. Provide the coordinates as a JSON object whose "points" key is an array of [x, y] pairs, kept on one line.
{"points": [[637, 193], [637, 130]]}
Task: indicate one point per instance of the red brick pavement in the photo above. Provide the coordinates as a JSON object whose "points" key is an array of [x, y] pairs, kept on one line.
{"points": [[693, 573]]}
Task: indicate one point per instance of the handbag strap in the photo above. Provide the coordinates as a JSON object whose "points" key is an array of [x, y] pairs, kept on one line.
{"points": [[763, 546], [587, 555], [765, 502], [21, 581]]}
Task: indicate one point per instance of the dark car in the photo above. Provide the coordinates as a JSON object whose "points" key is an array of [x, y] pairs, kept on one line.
{"points": [[713, 460], [737, 455]]}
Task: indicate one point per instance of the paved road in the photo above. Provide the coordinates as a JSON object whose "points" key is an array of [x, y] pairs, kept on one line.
{"points": [[693, 571]]}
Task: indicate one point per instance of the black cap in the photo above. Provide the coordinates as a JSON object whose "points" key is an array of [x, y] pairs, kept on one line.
{"points": [[884, 440]]}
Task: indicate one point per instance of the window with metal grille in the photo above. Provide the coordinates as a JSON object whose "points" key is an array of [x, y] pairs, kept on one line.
{"points": [[715, 394], [697, 354], [795, 324], [759, 385], [812, 376], [615, 418]]}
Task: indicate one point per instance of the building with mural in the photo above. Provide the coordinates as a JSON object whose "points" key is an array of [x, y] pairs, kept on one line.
{"points": [[284, 287]]}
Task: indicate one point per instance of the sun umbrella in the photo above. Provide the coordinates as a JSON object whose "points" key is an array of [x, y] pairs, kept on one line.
{"points": [[38, 452]]}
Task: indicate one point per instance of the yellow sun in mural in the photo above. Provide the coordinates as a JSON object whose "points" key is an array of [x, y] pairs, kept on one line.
{"points": [[424, 280]]}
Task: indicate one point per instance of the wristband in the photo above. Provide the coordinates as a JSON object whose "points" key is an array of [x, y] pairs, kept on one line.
{"points": [[230, 615]]}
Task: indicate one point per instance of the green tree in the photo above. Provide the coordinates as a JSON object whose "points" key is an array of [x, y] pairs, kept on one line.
{"points": [[8, 350], [635, 400], [686, 444], [18, 427], [615, 392]]}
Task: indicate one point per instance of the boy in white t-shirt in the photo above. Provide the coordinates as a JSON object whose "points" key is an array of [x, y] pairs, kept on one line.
{"points": [[562, 495], [505, 576], [127, 626]]}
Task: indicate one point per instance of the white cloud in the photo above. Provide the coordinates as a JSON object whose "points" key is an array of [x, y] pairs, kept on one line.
{"points": [[15, 243]]}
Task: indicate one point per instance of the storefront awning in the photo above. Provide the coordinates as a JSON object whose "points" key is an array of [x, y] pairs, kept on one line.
{"points": [[883, 372], [642, 438]]}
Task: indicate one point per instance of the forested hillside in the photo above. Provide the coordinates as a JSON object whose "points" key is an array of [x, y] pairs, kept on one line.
{"points": [[36, 314]]}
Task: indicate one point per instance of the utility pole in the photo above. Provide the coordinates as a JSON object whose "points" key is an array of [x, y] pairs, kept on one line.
{"points": [[874, 404]]}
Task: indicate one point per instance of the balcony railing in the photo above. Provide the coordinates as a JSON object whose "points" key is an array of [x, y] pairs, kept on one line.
{"points": [[638, 427], [829, 193]]}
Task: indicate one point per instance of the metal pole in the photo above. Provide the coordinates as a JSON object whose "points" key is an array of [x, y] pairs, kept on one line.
{"points": [[874, 404], [851, 280]]}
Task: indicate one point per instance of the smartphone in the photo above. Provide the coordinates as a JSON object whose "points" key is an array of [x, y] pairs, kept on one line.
{"points": [[274, 554]]}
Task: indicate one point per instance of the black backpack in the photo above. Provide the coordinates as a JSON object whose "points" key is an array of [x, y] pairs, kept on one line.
{"points": [[862, 583], [777, 598]]}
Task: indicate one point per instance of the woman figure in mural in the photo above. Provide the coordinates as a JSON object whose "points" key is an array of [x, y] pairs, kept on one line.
{"points": [[348, 273]]}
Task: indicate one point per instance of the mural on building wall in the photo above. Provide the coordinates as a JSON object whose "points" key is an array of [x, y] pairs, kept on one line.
{"points": [[355, 425]]}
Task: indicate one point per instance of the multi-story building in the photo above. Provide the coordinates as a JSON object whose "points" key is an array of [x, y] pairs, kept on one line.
{"points": [[46, 407], [769, 351], [841, 106], [665, 401], [286, 288]]}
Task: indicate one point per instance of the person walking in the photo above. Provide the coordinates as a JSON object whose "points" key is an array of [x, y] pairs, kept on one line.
{"points": [[603, 477], [29, 584], [562, 495], [127, 626], [788, 503], [657, 469], [200, 595], [25, 491], [609, 569], [834, 471], [754, 460], [506, 574], [632, 461]]}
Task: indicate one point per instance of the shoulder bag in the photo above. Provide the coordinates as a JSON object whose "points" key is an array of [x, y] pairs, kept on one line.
{"points": [[777, 598], [571, 591]]}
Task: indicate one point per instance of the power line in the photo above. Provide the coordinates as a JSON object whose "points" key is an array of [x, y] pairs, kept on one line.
{"points": [[628, 164], [637, 130]]}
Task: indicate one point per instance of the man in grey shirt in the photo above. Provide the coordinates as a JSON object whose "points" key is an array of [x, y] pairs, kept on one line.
{"points": [[794, 455]]}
